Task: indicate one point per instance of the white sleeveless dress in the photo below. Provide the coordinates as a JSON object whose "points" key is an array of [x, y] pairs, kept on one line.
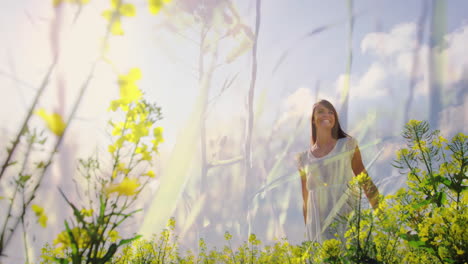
{"points": [[327, 183]]}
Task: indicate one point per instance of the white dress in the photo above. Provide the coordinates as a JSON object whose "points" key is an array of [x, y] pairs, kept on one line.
{"points": [[327, 183]]}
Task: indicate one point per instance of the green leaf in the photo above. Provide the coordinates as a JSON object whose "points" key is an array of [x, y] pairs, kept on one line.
{"points": [[24, 178], [421, 204], [443, 197], [128, 240], [40, 165], [102, 207], [11, 163], [417, 243]]}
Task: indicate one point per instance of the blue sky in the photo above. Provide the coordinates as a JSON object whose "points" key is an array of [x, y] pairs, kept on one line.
{"points": [[321, 57]]}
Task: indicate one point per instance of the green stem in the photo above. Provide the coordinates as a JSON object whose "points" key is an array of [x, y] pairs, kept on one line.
{"points": [[42, 87], [24, 234]]}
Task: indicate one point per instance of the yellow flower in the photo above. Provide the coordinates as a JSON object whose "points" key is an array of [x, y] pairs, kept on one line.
{"points": [[113, 15], [118, 128], [401, 153], [42, 220], [115, 104], [129, 91], [227, 236], [331, 248], [138, 131], [41, 216], [157, 132], [414, 123], [62, 238], [111, 149], [126, 187], [37, 209], [158, 138], [120, 168], [150, 174], [86, 212], [420, 145], [114, 235], [459, 251], [156, 5], [53, 121], [79, 234]]}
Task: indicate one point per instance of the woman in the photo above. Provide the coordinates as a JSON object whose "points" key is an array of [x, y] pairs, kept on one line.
{"points": [[325, 169]]}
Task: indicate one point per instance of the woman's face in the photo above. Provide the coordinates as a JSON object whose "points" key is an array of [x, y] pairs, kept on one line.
{"points": [[324, 117]]}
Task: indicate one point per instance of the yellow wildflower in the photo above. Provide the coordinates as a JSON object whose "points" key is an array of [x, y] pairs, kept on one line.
{"points": [[62, 238], [111, 149], [37, 209], [114, 14], [331, 249], [42, 220], [118, 128], [459, 251], [114, 235], [126, 187], [150, 174], [414, 123], [227, 236], [138, 131], [158, 138], [53, 121], [41, 216], [129, 91], [79, 234], [86, 212], [156, 5]]}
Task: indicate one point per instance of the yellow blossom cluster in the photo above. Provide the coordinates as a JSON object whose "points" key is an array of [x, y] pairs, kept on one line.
{"points": [[54, 121], [80, 235], [114, 14], [128, 187], [40, 214]]}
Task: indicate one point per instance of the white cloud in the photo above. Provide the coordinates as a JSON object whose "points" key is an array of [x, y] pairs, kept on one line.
{"points": [[400, 38], [404, 62], [457, 54], [297, 104], [371, 84], [372, 81], [394, 59]]}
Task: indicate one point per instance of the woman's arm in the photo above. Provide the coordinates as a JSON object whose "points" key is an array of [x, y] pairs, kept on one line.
{"points": [[371, 191]]}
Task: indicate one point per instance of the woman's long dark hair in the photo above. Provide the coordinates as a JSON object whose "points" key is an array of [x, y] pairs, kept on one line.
{"points": [[337, 132]]}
